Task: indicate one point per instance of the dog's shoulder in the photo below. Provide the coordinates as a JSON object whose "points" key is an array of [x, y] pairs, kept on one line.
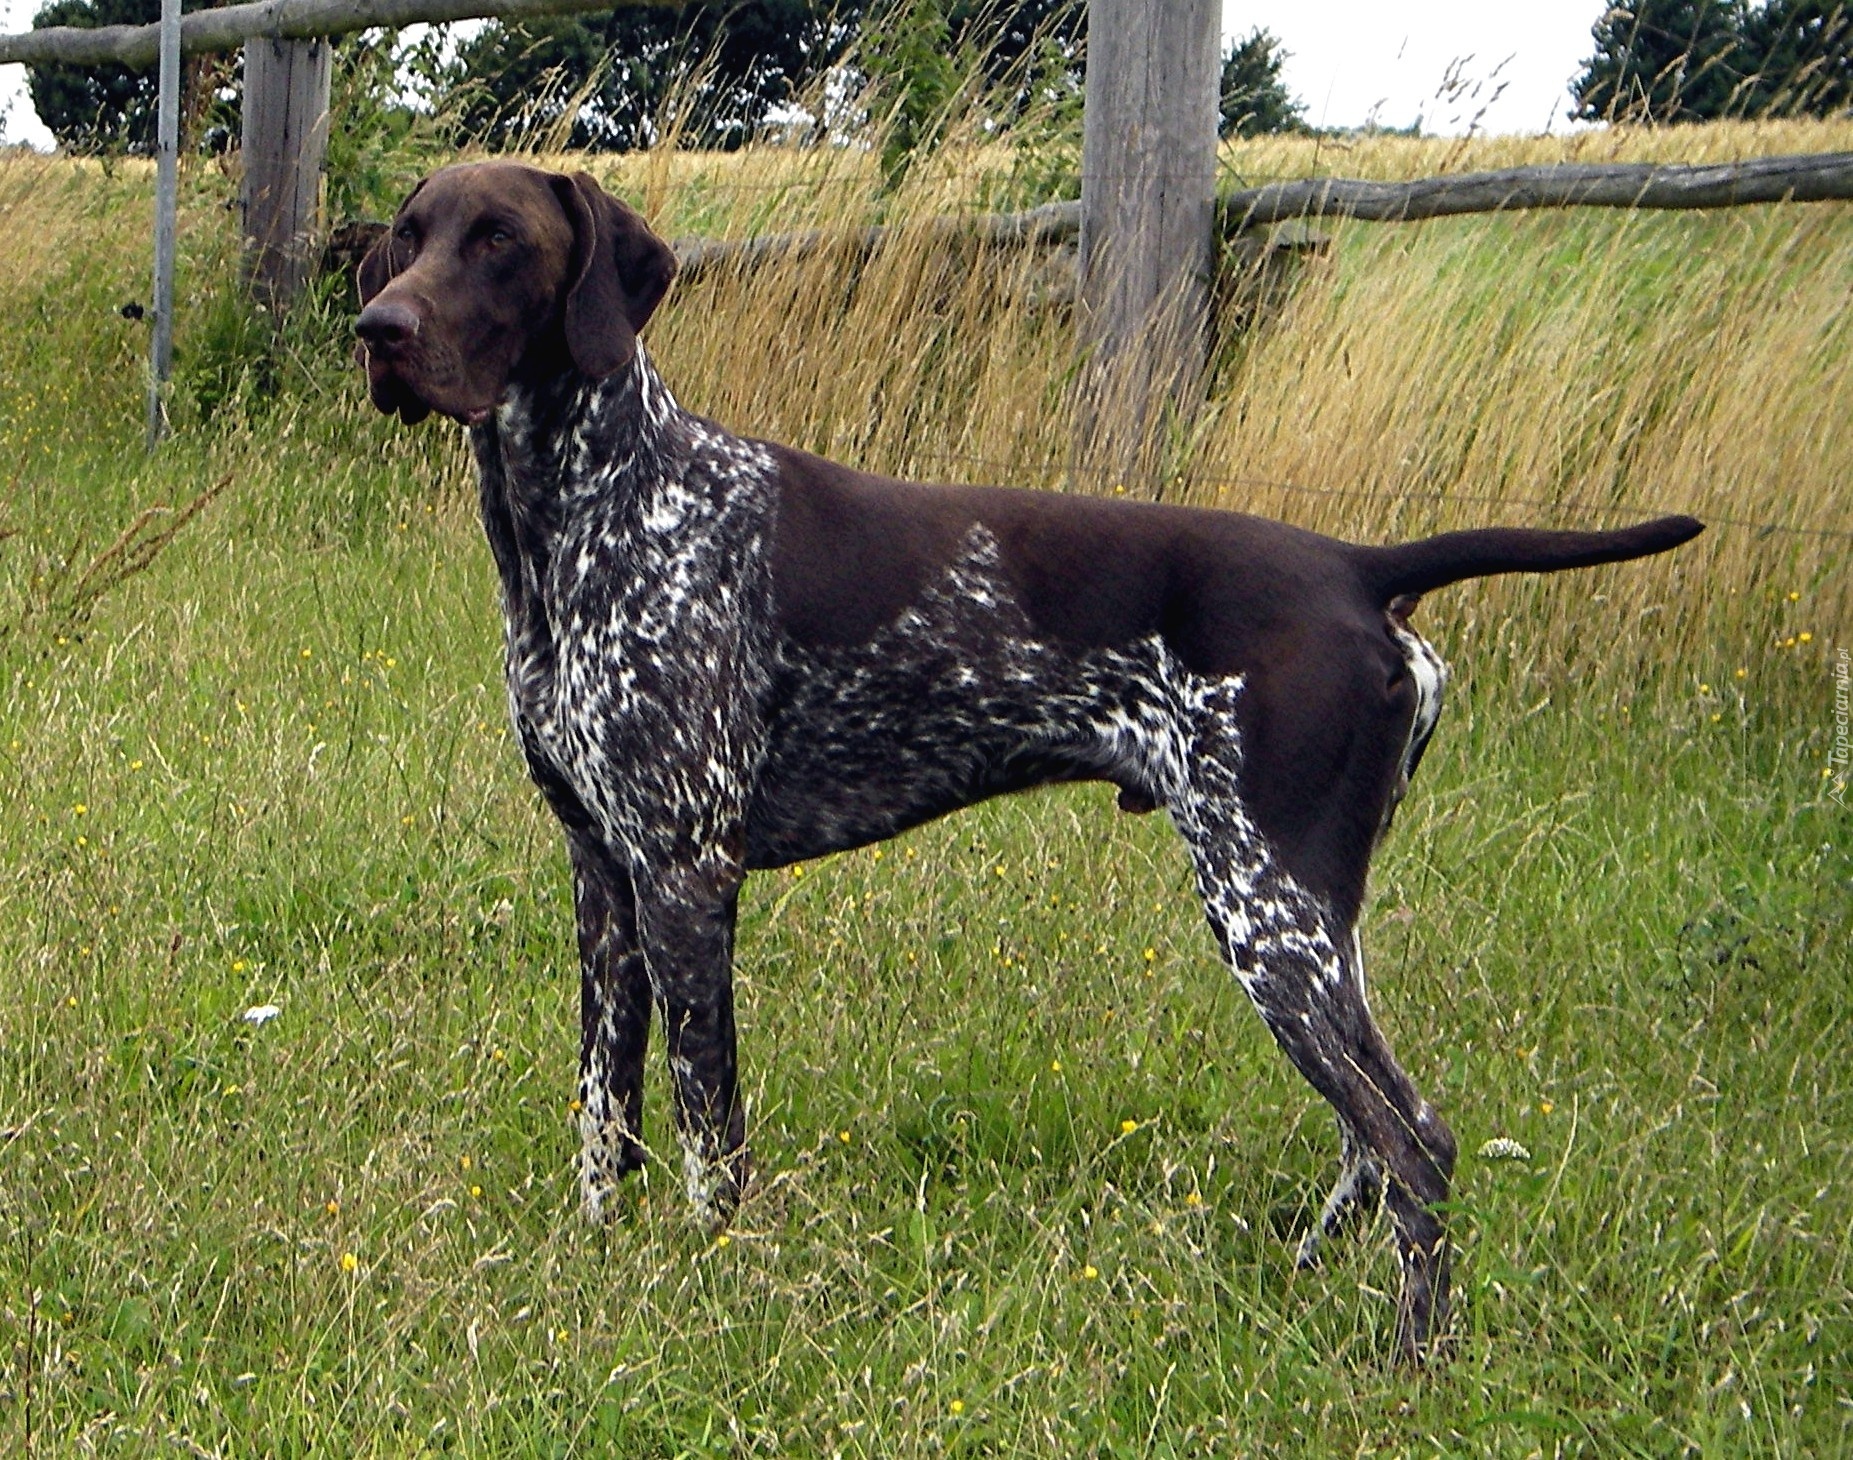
{"points": [[852, 549]]}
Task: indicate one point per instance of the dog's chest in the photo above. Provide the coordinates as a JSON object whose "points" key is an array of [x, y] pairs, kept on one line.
{"points": [[635, 597]]}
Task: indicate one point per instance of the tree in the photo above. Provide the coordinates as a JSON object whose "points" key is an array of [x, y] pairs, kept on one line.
{"points": [[113, 107], [1004, 34], [1255, 100], [1803, 54], [89, 106], [1692, 60], [1018, 62], [733, 62], [1664, 61]]}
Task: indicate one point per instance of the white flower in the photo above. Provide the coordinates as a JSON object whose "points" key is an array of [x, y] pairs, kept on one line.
{"points": [[261, 1013], [1504, 1148]]}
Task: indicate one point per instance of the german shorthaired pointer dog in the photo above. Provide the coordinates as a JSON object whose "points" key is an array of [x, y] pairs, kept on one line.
{"points": [[725, 654]]}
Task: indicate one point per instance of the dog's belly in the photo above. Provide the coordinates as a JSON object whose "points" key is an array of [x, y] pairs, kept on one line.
{"points": [[861, 746]]}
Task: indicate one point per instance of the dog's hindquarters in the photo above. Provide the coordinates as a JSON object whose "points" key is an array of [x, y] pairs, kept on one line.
{"points": [[1282, 899]]}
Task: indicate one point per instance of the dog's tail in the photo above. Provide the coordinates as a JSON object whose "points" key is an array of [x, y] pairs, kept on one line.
{"points": [[1413, 568]]}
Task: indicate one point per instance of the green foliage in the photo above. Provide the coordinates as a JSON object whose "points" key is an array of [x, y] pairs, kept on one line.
{"points": [[111, 109], [395, 112], [228, 360], [930, 63], [1255, 100], [616, 74], [1045, 131], [1803, 51], [917, 76], [1697, 60], [96, 106], [1008, 36]]}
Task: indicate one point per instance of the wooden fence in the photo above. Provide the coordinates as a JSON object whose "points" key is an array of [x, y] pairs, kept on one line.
{"points": [[1145, 224]]}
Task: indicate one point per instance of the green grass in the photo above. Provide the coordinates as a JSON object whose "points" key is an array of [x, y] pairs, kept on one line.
{"points": [[1613, 924]]}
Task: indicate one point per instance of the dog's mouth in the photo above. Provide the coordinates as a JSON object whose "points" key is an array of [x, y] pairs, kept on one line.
{"points": [[392, 393], [410, 408]]}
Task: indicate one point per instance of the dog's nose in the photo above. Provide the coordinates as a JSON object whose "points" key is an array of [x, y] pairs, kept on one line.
{"points": [[386, 326]]}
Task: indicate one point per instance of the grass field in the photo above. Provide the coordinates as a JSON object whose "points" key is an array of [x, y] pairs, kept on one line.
{"points": [[1029, 1169]]}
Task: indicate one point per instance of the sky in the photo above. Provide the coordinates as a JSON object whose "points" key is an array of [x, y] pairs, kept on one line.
{"points": [[1352, 61], [1459, 65]]}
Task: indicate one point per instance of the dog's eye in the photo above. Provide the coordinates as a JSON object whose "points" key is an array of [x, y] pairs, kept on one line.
{"points": [[500, 237]]}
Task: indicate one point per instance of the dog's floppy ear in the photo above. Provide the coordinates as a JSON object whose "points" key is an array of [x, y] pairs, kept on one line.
{"points": [[375, 267], [619, 274]]}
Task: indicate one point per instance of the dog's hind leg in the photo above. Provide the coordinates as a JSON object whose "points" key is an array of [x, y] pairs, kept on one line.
{"points": [[1353, 1196], [1359, 1188], [1298, 962], [1327, 1031], [1302, 981], [614, 1024]]}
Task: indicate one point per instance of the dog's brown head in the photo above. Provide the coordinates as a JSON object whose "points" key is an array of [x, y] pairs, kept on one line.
{"points": [[494, 272]]}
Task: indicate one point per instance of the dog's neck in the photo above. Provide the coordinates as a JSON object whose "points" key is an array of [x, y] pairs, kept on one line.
{"points": [[543, 420], [533, 483], [537, 483]]}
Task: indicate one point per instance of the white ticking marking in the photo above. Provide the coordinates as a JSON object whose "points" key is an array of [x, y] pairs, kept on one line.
{"points": [[1429, 674], [705, 1178]]}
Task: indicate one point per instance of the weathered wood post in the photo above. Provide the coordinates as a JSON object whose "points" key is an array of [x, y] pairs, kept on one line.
{"points": [[1148, 177], [286, 86], [166, 191]]}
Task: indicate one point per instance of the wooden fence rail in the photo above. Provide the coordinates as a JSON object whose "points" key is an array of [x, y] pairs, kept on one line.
{"points": [[1807, 177], [1804, 178], [233, 25]]}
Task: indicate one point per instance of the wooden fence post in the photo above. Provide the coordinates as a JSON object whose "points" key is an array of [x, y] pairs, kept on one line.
{"points": [[166, 203], [286, 85], [1148, 177]]}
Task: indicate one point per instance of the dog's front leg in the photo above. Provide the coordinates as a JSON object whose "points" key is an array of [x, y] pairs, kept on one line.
{"points": [[686, 917], [614, 1023]]}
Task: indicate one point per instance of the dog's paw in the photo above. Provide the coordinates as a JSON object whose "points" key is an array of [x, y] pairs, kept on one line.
{"points": [[715, 1185], [1308, 1255]]}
